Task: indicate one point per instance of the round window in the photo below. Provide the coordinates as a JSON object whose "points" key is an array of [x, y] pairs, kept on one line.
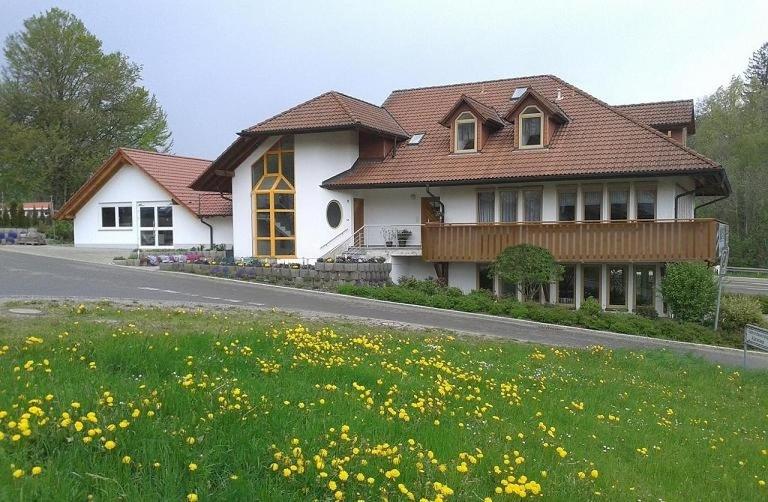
{"points": [[333, 213]]}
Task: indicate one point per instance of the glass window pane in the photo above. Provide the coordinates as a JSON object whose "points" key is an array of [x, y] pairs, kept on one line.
{"points": [[617, 286], [165, 216], [165, 237], [285, 247], [262, 201], [508, 289], [257, 171], [267, 182], [147, 237], [273, 163], [283, 185], [284, 224], [485, 203], [333, 214], [646, 204], [566, 287], [484, 280], [508, 203], [107, 217], [465, 136], [593, 203], [125, 216], [645, 283], [283, 201], [286, 143], [591, 281], [619, 200], [532, 205], [567, 206], [288, 166], [147, 216], [262, 224], [263, 248], [531, 131]]}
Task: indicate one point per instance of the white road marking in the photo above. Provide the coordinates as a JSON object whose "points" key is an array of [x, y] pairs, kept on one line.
{"points": [[256, 304], [148, 289], [171, 291]]}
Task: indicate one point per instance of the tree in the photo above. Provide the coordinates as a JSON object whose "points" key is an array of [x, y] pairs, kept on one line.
{"points": [[690, 290], [757, 69], [529, 266], [732, 129], [65, 105]]}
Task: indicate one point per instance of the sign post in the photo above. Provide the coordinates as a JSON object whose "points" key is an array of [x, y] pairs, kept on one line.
{"points": [[756, 337]]}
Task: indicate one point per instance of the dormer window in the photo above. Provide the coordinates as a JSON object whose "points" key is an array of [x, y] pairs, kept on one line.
{"points": [[531, 128], [466, 133]]}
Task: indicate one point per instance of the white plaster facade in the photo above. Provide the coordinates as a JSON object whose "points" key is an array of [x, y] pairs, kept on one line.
{"points": [[130, 186]]}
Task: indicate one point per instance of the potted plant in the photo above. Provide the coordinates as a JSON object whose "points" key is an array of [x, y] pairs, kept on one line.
{"points": [[389, 234], [402, 236]]}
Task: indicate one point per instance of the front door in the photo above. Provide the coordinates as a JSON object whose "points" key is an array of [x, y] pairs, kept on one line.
{"points": [[358, 221], [430, 210]]}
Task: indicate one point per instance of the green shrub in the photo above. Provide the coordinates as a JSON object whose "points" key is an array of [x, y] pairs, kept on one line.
{"points": [[529, 266], [690, 291], [590, 307], [647, 311], [763, 303], [739, 310]]}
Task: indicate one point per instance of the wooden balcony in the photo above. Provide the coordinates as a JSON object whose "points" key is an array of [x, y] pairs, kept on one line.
{"points": [[599, 242]]}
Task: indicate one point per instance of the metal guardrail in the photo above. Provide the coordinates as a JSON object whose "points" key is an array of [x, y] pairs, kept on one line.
{"points": [[748, 270]]}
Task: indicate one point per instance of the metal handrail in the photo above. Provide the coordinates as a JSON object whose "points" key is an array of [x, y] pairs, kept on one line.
{"points": [[335, 237]]}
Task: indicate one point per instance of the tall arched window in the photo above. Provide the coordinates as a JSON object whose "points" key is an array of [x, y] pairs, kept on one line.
{"points": [[273, 201], [531, 128], [466, 133]]}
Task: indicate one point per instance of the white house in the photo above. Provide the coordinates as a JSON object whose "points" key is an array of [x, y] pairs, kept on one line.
{"points": [[140, 199], [441, 179]]}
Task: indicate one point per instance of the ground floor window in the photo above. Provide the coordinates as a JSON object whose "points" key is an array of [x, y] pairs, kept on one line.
{"points": [[156, 226], [645, 285], [566, 287], [591, 275], [117, 216], [485, 279], [507, 289], [617, 286]]}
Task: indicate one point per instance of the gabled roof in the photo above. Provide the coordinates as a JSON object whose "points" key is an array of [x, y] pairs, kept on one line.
{"points": [[172, 172], [662, 113], [597, 141], [330, 111], [548, 105], [485, 112]]}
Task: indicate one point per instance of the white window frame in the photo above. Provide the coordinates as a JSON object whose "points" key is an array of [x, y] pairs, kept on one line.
{"points": [[523, 116], [114, 206], [459, 120], [156, 225]]}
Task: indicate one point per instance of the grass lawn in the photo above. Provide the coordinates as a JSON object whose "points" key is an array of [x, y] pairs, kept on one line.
{"points": [[136, 403]]}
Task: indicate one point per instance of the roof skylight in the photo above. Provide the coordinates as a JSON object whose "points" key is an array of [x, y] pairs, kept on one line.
{"points": [[518, 92], [416, 139]]}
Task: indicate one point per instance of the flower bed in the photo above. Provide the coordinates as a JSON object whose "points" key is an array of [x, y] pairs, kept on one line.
{"points": [[321, 275]]}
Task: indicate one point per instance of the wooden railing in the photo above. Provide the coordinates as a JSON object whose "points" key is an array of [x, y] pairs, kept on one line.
{"points": [[604, 242]]}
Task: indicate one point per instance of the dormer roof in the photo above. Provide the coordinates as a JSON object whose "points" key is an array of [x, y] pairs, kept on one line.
{"points": [[484, 112], [663, 114], [551, 107]]}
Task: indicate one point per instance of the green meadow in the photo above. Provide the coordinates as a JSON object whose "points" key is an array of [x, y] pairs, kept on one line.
{"points": [[106, 402]]}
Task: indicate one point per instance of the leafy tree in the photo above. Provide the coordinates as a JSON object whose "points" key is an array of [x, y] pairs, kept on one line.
{"points": [[531, 267], [690, 290], [732, 128], [65, 105]]}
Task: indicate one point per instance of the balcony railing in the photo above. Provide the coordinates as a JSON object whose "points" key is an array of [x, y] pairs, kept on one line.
{"points": [[604, 242]]}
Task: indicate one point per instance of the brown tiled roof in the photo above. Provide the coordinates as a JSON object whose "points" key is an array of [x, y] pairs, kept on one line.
{"points": [[29, 206], [329, 111], [598, 140], [174, 173], [662, 113], [550, 106], [487, 114]]}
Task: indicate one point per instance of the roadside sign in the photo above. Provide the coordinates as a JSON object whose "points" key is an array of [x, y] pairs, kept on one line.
{"points": [[756, 337]]}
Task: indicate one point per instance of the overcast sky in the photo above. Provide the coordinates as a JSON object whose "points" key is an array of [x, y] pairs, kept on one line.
{"points": [[217, 67]]}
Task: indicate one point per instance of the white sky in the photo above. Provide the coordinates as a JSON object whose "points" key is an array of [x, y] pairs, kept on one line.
{"points": [[217, 67]]}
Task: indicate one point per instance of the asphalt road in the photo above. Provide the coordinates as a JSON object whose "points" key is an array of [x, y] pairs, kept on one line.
{"points": [[25, 275], [746, 285]]}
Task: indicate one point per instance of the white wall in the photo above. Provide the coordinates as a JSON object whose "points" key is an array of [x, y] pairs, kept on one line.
{"points": [[463, 276], [317, 157], [411, 266], [131, 186]]}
